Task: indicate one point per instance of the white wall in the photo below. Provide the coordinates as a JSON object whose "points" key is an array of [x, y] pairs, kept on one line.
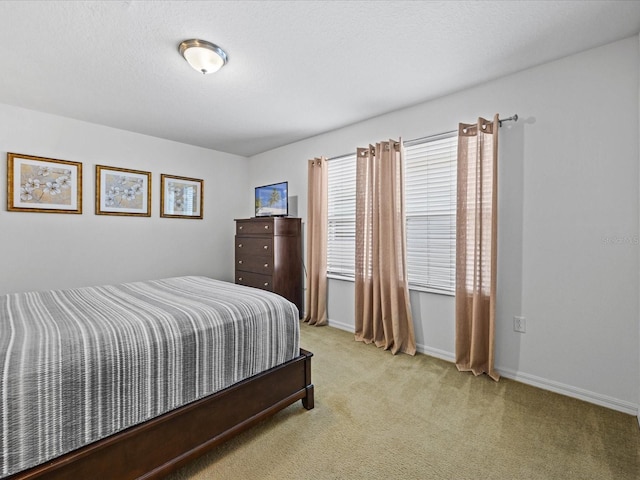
{"points": [[568, 219], [47, 250]]}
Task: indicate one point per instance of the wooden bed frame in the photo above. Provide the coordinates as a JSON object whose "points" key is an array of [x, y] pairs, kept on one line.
{"points": [[163, 444]]}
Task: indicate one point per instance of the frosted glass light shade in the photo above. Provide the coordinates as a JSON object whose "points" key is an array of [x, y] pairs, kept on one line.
{"points": [[203, 56]]}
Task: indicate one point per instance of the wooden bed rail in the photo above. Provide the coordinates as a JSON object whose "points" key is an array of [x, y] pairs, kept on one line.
{"points": [[163, 444]]}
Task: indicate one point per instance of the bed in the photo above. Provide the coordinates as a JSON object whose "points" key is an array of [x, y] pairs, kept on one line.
{"points": [[134, 380]]}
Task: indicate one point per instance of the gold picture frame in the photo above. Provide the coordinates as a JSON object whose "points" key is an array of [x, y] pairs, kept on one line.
{"points": [[44, 185], [122, 191], [181, 197]]}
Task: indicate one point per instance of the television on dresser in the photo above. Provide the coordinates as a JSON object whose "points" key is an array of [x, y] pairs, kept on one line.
{"points": [[272, 200]]}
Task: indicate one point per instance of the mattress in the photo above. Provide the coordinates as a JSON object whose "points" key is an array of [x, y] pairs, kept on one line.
{"points": [[79, 365]]}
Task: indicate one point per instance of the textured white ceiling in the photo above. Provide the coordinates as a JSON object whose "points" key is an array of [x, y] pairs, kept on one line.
{"points": [[296, 68]]}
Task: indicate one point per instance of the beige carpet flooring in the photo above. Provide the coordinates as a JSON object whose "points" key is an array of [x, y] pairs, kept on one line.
{"points": [[379, 416]]}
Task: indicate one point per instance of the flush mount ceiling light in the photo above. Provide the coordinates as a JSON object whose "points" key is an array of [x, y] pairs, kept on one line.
{"points": [[203, 56]]}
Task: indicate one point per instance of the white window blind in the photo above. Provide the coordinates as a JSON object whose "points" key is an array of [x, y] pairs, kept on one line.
{"points": [[341, 216], [430, 199]]}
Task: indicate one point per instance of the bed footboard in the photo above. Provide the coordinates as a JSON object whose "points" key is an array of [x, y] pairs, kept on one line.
{"points": [[163, 444]]}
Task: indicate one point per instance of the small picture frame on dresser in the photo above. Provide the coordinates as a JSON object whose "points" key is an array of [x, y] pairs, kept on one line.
{"points": [[181, 197]]}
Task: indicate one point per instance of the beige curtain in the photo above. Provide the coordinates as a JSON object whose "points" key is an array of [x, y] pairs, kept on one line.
{"points": [[316, 294], [476, 246], [383, 314]]}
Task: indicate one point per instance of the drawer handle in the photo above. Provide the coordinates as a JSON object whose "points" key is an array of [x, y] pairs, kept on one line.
{"points": [[239, 279], [239, 245], [266, 227], [240, 227], [266, 247], [266, 265], [240, 262], [266, 284]]}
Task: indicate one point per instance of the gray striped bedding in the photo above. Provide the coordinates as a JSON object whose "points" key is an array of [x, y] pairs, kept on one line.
{"points": [[79, 365]]}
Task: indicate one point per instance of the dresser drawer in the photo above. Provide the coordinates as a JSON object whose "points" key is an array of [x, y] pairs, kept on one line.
{"points": [[254, 280], [248, 263], [255, 227], [254, 246]]}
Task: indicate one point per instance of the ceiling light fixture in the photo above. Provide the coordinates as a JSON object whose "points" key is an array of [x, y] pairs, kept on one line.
{"points": [[203, 56]]}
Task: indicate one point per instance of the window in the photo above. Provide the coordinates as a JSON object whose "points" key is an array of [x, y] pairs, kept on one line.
{"points": [[430, 199], [430, 207], [341, 225]]}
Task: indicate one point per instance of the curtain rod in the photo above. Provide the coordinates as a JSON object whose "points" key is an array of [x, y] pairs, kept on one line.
{"points": [[512, 118]]}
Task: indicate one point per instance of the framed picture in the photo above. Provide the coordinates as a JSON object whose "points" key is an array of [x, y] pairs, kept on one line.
{"points": [[120, 191], [181, 197], [37, 184]]}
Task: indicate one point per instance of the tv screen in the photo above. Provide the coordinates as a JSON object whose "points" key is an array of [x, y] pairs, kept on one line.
{"points": [[272, 200]]}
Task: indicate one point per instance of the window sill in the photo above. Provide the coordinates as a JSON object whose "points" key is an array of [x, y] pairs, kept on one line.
{"points": [[415, 288]]}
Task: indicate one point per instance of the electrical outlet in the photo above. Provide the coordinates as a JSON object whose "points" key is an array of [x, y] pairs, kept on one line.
{"points": [[519, 324]]}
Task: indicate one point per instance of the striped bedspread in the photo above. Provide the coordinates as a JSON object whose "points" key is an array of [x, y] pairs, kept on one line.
{"points": [[79, 365]]}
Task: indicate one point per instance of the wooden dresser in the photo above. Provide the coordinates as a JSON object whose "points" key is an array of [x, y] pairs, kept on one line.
{"points": [[269, 256]]}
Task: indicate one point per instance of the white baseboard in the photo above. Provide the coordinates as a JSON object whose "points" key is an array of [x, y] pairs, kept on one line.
{"points": [[571, 391], [434, 352], [341, 326], [543, 383]]}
